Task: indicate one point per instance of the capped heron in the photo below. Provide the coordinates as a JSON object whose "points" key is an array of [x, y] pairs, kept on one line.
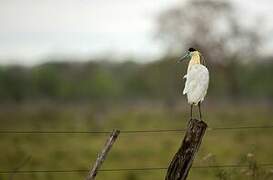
{"points": [[197, 79]]}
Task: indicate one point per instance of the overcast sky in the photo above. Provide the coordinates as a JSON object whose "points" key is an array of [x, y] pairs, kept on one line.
{"points": [[32, 30]]}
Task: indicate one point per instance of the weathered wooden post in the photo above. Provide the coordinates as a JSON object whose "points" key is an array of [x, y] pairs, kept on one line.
{"points": [[101, 156], [183, 159]]}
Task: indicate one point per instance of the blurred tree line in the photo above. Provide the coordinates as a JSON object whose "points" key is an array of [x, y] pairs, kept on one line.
{"points": [[104, 81], [231, 49]]}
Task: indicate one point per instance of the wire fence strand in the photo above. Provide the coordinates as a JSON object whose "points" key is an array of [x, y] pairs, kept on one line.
{"points": [[131, 131], [131, 169]]}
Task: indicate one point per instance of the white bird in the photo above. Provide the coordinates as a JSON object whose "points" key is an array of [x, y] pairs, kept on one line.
{"points": [[197, 79]]}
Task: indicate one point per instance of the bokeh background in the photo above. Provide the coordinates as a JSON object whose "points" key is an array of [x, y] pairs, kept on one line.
{"points": [[96, 65]]}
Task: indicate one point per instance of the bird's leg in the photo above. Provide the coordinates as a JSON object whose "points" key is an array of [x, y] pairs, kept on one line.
{"points": [[191, 111], [199, 107]]}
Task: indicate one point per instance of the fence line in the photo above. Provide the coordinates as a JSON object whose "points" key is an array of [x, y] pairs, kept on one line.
{"points": [[131, 131], [131, 169]]}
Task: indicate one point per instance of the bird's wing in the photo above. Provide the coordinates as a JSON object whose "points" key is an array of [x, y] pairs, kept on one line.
{"points": [[197, 79], [186, 84]]}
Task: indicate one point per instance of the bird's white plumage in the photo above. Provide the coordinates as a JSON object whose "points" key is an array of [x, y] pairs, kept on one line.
{"points": [[197, 82]]}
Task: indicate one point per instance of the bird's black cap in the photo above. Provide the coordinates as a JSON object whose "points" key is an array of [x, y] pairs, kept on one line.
{"points": [[192, 49]]}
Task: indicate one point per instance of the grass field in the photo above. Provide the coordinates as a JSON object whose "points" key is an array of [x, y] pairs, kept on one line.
{"points": [[78, 151]]}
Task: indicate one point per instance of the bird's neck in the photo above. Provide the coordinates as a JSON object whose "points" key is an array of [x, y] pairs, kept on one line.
{"points": [[195, 59]]}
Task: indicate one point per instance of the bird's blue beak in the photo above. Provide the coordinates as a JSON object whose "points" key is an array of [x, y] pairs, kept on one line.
{"points": [[186, 56]]}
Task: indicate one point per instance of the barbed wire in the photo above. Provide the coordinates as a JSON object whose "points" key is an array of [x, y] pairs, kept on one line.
{"points": [[131, 131], [131, 169]]}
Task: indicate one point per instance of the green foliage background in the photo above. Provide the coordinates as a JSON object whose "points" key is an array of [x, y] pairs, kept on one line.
{"points": [[99, 95], [105, 81]]}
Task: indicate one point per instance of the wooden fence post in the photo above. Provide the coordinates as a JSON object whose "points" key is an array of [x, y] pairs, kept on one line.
{"points": [[183, 159], [101, 156]]}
